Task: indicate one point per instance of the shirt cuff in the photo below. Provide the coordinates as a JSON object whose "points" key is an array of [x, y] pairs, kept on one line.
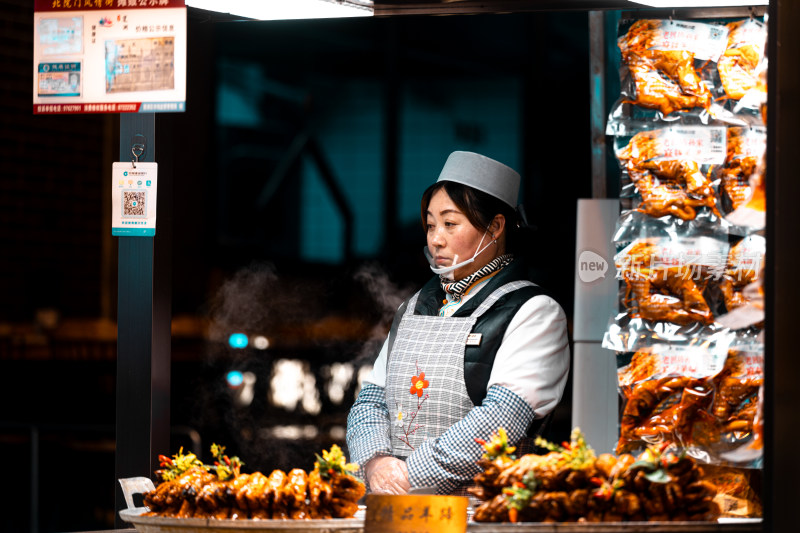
{"points": [[450, 461], [368, 426]]}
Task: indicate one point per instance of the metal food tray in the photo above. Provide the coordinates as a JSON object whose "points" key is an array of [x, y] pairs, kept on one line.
{"points": [[166, 524], [721, 526], [159, 524]]}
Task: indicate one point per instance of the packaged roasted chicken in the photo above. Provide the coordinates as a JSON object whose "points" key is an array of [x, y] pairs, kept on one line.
{"points": [[666, 63], [703, 401], [689, 72], [665, 278], [751, 213], [743, 54], [743, 269], [667, 169], [745, 151]]}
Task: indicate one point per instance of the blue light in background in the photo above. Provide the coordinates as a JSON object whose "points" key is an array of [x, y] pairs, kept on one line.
{"points": [[234, 378], [238, 340]]}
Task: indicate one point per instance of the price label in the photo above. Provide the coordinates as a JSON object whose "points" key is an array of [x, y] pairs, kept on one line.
{"points": [[415, 514]]}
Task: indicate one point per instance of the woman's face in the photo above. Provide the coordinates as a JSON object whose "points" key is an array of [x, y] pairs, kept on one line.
{"points": [[452, 238]]}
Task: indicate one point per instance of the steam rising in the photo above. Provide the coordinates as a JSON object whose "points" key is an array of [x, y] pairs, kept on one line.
{"points": [[291, 393], [387, 297], [244, 302]]}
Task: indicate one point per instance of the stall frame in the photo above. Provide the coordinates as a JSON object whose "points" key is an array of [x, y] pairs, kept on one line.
{"points": [[144, 307]]}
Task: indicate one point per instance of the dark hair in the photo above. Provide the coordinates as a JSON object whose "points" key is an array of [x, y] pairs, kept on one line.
{"points": [[479, 207]]}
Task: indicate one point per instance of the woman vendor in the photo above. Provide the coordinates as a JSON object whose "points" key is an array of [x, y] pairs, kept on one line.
{"points": [[478, 348]]}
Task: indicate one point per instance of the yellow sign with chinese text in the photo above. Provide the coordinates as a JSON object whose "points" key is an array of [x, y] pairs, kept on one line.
{"points": [[415, 514]]}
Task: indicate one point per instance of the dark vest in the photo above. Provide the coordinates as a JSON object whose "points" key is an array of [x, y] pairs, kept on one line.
{"points": [[478, 360]]}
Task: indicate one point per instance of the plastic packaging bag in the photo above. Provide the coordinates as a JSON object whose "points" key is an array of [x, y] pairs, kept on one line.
{"points": [[682, 281], [745, 150], [736, 490], [666, 169], [668, 268], [626, 334], [689, 72], [741, 284], [743, 54], [752, 214], [665, 277], [704, 400], [663, 60]]}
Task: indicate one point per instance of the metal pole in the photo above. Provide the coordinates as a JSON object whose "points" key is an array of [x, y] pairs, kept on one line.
{"points": [[143, 317], [597, 100]]}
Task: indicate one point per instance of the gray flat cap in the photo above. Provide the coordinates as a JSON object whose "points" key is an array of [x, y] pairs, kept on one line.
{"points": [[480, 172]]}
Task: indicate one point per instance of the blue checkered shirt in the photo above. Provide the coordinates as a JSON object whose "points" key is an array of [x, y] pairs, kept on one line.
{"points": [[448, 462]]}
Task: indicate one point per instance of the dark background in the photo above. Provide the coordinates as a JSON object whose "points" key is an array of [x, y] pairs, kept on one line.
{"points": [[384, 102]]}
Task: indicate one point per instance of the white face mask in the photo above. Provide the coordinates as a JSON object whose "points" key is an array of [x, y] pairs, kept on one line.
{"points": [[448, 271]]}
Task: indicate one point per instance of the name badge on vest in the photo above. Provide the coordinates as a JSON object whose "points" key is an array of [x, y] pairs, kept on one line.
{"points": [[474, 339]]}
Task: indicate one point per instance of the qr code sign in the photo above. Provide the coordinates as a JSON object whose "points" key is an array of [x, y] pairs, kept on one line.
{"points": [[134, 203]]}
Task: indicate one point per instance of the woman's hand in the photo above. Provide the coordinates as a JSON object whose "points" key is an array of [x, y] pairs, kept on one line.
{"points": [[387, 475]]}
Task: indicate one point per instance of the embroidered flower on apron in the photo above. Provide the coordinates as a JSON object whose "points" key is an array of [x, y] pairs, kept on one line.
{"points": [[418, 386]]}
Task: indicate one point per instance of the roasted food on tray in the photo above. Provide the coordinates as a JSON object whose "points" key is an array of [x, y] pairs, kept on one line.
{"points": [[191, 489], [571, 484]]}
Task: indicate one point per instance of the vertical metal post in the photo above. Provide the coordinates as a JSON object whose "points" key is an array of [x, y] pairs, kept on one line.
{"points": [[604, 85], [597, 102], [143, 322]]}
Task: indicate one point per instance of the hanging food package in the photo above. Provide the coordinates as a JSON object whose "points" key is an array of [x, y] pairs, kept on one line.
{"points": [[737, 395], [669, 271], [703, 400], [745, 152], [751, 213], [668, 398], [665, 278], [743, 54], [741, 284], [666, 169], [751, 451], [665, 64]]}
